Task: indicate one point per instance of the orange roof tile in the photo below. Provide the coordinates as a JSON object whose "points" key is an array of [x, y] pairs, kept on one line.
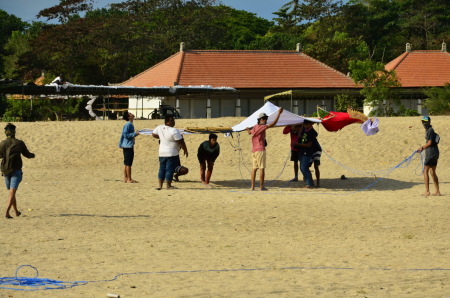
{"points": [[164, 73], [242, 69], [422, 68]]}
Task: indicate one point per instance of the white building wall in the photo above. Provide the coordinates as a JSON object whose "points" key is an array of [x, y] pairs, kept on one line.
{"points": [[223, 106], [141, 107]]}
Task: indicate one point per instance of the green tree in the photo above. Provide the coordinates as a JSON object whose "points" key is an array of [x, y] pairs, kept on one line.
{"points": [[111, 45], [8, 24], [16, 46], [331, 46], [438, 101], [239, 29], [424, 23], [376, 22], [66, 9], [378, 86], [344, 101], [30, 109]]}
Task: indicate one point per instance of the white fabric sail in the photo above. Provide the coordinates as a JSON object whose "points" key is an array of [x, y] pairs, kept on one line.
{"points": [[286, 118]]}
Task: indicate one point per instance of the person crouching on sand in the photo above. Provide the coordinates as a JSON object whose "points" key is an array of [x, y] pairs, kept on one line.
{"points": [[11, 150], [207, 153]]}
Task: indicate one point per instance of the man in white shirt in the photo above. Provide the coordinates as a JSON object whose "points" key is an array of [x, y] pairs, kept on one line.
{"points": [[170, 143]]}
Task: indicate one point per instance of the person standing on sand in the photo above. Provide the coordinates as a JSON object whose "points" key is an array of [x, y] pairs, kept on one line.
{"points": [[306, 148], [258, 133], [293, 131], [315, 159], [170, 143], [431, 157], [11, 150], [207, 153], [127, 144]]}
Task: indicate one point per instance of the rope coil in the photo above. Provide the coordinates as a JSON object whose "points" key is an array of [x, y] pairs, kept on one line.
{"points": [[38, 284]]}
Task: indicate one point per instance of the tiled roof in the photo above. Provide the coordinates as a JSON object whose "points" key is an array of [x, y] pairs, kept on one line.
{"points": [[422, 68], [164, 73], [242, 69]]}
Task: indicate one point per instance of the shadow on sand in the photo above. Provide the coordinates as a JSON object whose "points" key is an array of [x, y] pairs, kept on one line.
{"points": [[349, 184], [104, 216]]}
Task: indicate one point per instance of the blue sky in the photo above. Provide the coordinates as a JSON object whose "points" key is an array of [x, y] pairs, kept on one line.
{"points": [[28, 9]]}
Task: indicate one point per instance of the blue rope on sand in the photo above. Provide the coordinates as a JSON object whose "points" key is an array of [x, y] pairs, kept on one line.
{"points": [[35, 283], [38, 284], [371, 173], [403, 164]]}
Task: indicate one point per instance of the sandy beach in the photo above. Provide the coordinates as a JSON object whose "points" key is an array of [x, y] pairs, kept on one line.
{"points": [[371, 235]]}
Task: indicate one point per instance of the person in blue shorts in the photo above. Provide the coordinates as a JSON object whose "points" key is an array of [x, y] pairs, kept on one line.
{"points": [[11, 151]]}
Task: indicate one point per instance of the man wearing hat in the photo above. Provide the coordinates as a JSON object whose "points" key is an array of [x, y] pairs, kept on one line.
{"points": [[11, 150], [258, 133], [431, 157]]}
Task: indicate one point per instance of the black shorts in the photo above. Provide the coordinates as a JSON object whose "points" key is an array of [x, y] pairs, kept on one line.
{"points": [[294, 155], [432, 161], [203, 158], [128, 156]]}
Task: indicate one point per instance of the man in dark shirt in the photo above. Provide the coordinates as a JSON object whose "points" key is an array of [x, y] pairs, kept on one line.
{"points": [[431, 157], [11, 150], [207, 153], [306, 150]]}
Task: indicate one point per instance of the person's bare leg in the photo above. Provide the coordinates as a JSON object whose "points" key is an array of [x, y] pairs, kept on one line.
{"points": [[435, 181], [12, 203], [208, 176], [128, 175], [426, 179], [125, 174], [160, 182], [316, 169], [253, 178], [202, 172], [261, 179], [295, 171], [209, 172], [169, 184]]}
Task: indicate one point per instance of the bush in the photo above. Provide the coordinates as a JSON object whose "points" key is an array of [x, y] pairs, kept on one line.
{"points": [[438, 101]]}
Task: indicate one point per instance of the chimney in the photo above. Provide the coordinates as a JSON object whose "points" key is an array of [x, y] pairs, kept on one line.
{"points": [[408, 47], [182, 47], [299, 48], [444, 47]]}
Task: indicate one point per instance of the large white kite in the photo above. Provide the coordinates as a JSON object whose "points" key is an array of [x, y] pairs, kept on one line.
{"points": [[286, 118], [271, 110]]}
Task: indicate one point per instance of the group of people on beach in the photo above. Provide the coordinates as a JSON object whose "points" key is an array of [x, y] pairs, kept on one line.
{"points": [[170, 143], [305, 149]]}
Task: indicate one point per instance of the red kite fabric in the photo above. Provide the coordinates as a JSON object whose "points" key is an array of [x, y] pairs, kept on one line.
{"points": [[335, 121]]}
